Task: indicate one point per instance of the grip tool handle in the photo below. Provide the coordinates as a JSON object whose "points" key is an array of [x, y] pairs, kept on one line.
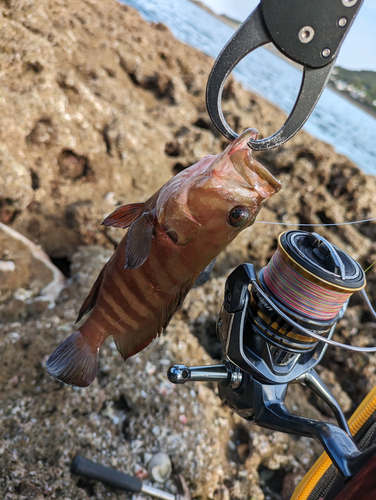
{"points": [[87, 469]]}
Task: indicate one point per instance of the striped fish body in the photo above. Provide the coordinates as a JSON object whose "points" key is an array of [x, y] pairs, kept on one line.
{"points": [[171, 239], [134, 305]]}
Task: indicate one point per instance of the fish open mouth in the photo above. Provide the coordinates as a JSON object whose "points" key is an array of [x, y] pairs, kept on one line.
{"points": [[251, 170], [261, 171]]}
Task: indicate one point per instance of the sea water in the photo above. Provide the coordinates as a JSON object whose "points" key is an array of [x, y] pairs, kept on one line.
{"points": [[335, 120]]}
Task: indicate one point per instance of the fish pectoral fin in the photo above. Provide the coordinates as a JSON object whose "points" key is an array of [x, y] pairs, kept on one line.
{"points": [[125, 215], [75, 361], [139, 241], [204, 275], [91, 299]]}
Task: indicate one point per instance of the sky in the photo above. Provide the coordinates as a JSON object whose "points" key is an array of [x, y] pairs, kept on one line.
{"points": [[359, 48]]}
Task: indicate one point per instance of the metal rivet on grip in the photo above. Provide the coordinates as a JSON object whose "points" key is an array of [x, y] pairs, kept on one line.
{"points": [[325, 53], [306, 34], [349, 3], [342, 22]]}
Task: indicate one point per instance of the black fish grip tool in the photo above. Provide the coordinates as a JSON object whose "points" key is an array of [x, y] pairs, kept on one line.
{"points": [[309, 32], [90, 470]]}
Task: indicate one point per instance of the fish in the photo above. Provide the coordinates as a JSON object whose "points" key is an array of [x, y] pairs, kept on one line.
{"points": [[171, 243]]}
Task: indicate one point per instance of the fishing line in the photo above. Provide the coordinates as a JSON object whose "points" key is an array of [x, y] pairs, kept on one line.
{"points": [[370, 267], [313, 225], [300, 294], [320, 225]]}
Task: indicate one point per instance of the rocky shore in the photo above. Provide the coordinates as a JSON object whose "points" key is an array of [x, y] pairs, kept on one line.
{"points": [[100, 108]]}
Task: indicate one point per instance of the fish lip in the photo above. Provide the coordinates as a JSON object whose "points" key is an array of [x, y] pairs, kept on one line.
{"points": [[259, 169]]}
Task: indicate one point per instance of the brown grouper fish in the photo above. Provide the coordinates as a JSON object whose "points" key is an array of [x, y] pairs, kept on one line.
{"points": [[171, 242]]}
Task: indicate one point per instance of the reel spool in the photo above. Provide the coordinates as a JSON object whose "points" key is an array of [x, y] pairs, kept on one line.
{"points": [[311, 281]]}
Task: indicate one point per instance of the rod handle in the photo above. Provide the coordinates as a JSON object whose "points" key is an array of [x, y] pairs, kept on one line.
{"points": [[84, 467]]}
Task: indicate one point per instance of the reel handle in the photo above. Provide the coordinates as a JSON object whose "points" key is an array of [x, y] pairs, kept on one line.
{"points": [[226, 374]]}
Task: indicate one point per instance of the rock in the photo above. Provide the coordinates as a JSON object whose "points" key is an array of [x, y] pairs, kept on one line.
{"points": [[86, 264], [100, 108], [29, 282], [13, 310], [15, 188]]}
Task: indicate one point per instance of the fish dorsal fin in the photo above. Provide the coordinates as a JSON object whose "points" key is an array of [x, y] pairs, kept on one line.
{"points": [[91, 299], [139, 241], [125, 215]]}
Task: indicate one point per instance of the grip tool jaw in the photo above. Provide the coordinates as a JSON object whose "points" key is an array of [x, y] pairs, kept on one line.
{"points": [[309, 32]]}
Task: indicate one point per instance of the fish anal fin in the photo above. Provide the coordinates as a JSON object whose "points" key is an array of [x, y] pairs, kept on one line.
{"points": [[139, 241], [75, 361], [128, 348], [91, 299], [125, 215]]}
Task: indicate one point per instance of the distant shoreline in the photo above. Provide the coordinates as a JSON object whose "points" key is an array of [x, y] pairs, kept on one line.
{"points": [[235, 25], [353, 101]]}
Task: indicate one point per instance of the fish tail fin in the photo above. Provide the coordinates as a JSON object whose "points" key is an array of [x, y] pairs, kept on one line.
{"points": [[75, 361]]}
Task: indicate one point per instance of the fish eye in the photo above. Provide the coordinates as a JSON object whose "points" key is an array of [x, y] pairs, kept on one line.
{"points": [[238, 216]]}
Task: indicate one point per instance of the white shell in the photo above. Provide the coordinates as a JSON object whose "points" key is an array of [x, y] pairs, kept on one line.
{"points": [[160, 467]]}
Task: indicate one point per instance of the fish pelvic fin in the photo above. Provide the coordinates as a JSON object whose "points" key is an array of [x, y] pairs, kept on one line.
{"points": [[75, 361], [204, 275], [91, 299], [125, 215], [139, 241]]}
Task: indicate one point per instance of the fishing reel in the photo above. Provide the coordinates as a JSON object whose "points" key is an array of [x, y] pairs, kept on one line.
{"points": [[274, 328], [277, 325]]}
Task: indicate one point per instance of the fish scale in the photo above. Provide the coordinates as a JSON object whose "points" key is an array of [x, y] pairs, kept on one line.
{"points": [[171, 241]]}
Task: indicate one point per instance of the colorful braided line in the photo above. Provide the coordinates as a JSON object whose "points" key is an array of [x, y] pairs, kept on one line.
{"points": [[299, 294]]}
